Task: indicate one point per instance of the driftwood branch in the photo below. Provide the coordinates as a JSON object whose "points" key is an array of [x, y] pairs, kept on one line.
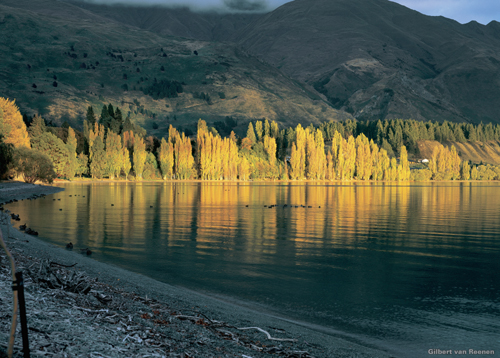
{"points": [[58, 264], [268, 335]]}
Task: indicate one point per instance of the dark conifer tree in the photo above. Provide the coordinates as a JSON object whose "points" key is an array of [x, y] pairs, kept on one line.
{"points": [[91, 116], [111, 110]]}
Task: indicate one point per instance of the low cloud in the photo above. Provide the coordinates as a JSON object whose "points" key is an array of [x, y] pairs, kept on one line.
{"points": [[246, 5], [200, 5]]}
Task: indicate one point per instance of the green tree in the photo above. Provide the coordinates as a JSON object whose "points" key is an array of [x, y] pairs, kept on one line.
{"points": [[6, 155], [98, 159], [126, 165], [113, 154], [150, 166], [82, 164], [57, 151], [251, 134], [90, 116], [37, 127], [33, 165], [71, 144], [139, 156]]}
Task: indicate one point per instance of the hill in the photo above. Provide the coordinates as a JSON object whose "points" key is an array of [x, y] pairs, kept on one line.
{"points": [[476, 152], [375, 59], [378, 59], [57, 66]]}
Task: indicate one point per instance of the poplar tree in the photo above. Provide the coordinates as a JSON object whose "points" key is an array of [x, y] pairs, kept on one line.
{"points": [[126, 165], [474, 173], [275, 131], [230, 156], [330, 166], [113, 154], [404, 165], [71, 143], [98, 160], [184, 161], [166, 159], [298, 155], [251, 133], [267, 129], [258, 130], [139, 156], [465, 171]]}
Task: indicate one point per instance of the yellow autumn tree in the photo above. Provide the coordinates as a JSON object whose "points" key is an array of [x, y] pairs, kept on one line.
{"points": [[364, 162], [183, 157], [12, 126], [230, 159], [404, 172], [298, 155], [244, 169], [166, 159]]}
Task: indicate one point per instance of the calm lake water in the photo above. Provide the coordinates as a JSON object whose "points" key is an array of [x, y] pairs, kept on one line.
{"points": [[406, 268]]}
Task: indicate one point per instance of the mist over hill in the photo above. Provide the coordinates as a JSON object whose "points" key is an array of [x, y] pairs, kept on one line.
{"points": [[374, 59]]}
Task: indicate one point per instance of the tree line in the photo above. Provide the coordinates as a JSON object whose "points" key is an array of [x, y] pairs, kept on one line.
{"points": [[392, 134], [113, 147]]}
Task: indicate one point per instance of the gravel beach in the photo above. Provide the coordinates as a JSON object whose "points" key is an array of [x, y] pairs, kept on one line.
{"points": [[79, 307]]}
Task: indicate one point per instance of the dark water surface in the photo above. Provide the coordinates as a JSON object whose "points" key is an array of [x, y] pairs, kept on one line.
{"points": [[405, 268]]}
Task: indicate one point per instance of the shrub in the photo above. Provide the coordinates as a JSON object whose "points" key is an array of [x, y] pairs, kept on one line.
{"points": [[421, 175], [33, 165]]}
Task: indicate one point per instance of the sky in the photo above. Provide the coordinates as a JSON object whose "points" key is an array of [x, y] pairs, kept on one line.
{"points": [[463, 11]]}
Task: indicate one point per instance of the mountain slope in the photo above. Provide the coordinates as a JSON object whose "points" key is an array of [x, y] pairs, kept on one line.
{"points": [[373, 58], [378, 59], [57, 66]]}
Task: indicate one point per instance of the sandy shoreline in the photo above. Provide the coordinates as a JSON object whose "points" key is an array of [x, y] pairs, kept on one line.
{"points": [[160, 309]]}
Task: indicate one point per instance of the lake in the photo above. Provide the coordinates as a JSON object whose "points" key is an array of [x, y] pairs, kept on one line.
{"points": [[400, 267]]}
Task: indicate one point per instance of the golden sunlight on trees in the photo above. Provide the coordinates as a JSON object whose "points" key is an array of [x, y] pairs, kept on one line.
{"points": [[113, 154], [445, 163], [166, 159], [12, 126], [184, 161]]}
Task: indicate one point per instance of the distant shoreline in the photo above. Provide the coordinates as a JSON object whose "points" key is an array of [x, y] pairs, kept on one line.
{"points": [[305, 181]]}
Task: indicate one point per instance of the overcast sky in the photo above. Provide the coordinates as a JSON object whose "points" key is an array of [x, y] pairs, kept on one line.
{"points": [[463, 11]]}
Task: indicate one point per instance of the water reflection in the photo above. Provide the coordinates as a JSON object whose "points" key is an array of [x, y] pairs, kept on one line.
{"points": [[394, 262]]}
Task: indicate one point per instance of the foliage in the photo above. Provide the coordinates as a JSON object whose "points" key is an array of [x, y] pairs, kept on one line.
{"points": [[166, 159], [113, 154], [163, 89], [82, 164], [6, 154], [33, 165], [139, 156], [57, 151], [12, 126]]}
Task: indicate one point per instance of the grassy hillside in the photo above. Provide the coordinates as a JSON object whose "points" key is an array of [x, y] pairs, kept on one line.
{"points": [[476, 152], [58, 66]]}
